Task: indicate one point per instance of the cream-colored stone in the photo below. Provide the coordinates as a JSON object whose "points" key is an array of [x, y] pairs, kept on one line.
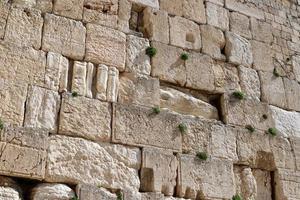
{"points": [[173, 7], [42, 107], [91, 192], [287, 184], [4, 12], [44, 5], [52, 191], [69, 8], [217, 16], [9, 190], [249, 81], [245, 9], [261, 31], [136, 59], [64, 36], [152, 196], [262, 56], [184, 33], [146, 3], [101, 82], [139, 89], [124, 15], [194, 10], [89, 80], [108, 165], [295, 143], [296, 67], [24, 3], [139, 126], [292, 93], [79, 78], [238, 50], [84, 117], [245, 183], [213, 42], [264, 184], [158, 171], [105, 46], [240, 24], [112, 85]]}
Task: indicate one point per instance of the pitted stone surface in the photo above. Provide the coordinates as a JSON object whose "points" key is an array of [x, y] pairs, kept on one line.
{"points": [[51, 191], [91, 192], [68, 8]]}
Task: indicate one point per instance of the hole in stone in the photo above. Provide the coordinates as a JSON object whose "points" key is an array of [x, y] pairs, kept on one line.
{"points": [[190, 37], [136, 19]]}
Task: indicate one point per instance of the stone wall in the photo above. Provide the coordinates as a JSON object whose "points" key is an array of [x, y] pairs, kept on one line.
{"points": [[150, 99]]}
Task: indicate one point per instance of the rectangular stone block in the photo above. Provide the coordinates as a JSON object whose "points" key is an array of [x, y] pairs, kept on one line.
{"points": [[23, 152], [69, 8], [240, 24], [245, 9], [296, 67], [287, 184], [292, 92], [262, 56], [79, 78], [249, 81], [92, 192], [217, 16], [105, 46], [194, 10], [139, 126], [64, 36], [4, 11], [263, 183], [283, 153], [295, 143], [84, 117], [245, 183], [261, 31]]}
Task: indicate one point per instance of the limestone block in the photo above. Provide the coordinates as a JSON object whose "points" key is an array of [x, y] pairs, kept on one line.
{"points": [[24, 3], [168, 66], [147, 3], [217, 16], [245, 9], [287, 123], [84, 117], [12, 98], [292, 92], [213, 41], [261, 31], [124, 15], [105, 46], [89, 80], [195, 180], [138, 126], [44, 5], [194, 10], [112, 85], [42, 107], [91, 192], [245, 182], [108, 165], [23, 152], [272, 89], [152, 196], [139, 89], [158, 171], [262, 56], [136, 59], [199, 72], [69, 8], [156, 25], [238, 50], [56, 73], [64, 36], [295, 143], [52, 191], [9, 190], [296, 67], [173, 7], [287, 184], [240, 25], [101, 82], [263, 181], [79, 78], [249, 81], [184, 33], [22, 64], [186, 104], [4, 11]]}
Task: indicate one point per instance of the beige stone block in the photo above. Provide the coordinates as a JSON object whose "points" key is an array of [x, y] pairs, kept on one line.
{"points": [[158, 171], [194, 10], [64, 36], [245, 183], [108, 165], [139, 126], [44, 5], [69, 8], [195, 180], [105, 46], [213, 42], [24, 3], [52, 191], [112, 85], [249, 81], [173, 7], [184, 33], [124, 15], [217, 16], [296, 67], [261, 31], [264, 184], [146, 3], [240, 25], [262, 56], [84, 117], [295, 143], [90, 73], [9, 193], [101, 82], [23, 152], [92, 192], [79, 78], [245, 9], [4, 11], [287, 184], [152, 196], [139, 89], [292, 92]]}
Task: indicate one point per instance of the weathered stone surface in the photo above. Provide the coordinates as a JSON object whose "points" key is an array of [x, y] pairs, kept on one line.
{"points": [[24, 3], [217, 16], [139, 126], [101, 82], [91, 192], [42, 108], [173, 7], [292, 92], [295, 143], [287, 184], [105, 46], [261, 31], [186, 104], [4, 11], [245, 183], [139, 89], [9, 190], [111, 166], [238, 50], [213, 41], [194, 10], [44, 5], [296, 67], [23, 152], [69, 8], [84, 117], [136, 59], [184, 33], [112, 84], [263, 182], [52, 191], [79, 78], [64, 36], [158, 171], [90, 73], [272, 89], [146, 3], [195, 178], [245, 9], [249, 81], [152, 196], [240, 25], [262, 56]]}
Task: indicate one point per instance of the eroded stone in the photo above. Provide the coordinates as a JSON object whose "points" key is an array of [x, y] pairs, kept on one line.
{"points": [[217, 16], [69, 8], [52, 191]]}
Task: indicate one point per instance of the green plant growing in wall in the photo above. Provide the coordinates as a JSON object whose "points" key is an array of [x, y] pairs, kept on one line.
{"points": [[156, 110], [202, 155], [272, 131], [182, 128], [275, 72], [239, 95], [184, 56], [119, 195], [250, 128], [74, 94], [151, 51], [237, 197], [1, 125], [75, 198]]}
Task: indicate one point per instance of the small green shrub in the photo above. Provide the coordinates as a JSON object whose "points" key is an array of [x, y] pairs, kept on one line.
{"points": [[182, 128], [184, 56], [202, 155], [119, 195], [250, 128], [272, 131], [239, 95], [265, 116], [156, 110], [74, 94], [1, 125], [237, 197], [275, 72], [151, 51], [75, 198]]}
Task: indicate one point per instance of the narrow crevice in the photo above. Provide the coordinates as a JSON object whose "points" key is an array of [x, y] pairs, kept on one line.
{"points": [[25, 105], [273, 185]]}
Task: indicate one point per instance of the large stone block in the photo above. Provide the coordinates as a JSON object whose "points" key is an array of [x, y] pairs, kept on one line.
{"points": [[194, 10], [249, 81], [217, 16], [52, 191], [69, 8], [79, 78], [287, 184], [75, 160], [282, 153], [139, 126], [23, 152], [184, 33], [292, 92], [105, 46], [64, 36], [4, 11], [84, 117], [240, 24], [146, 3], [262, 56], [245, 183], [263, 181], [261, 31], [296, 67], [195, 178], [44, 5], [92, 192], [295, 143], [245, 9], [173, 7]]}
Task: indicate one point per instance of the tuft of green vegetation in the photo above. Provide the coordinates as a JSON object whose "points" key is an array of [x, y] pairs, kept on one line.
{"points": [[75, 198], [250, 128], [119, 195], [239, 95], [202, 155], [184, 56], [265, 116], [237, 197], [156, 110], [151, 51], [275, 72], [272, 131], [182, 128], [74, 94], [1, 125]]}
